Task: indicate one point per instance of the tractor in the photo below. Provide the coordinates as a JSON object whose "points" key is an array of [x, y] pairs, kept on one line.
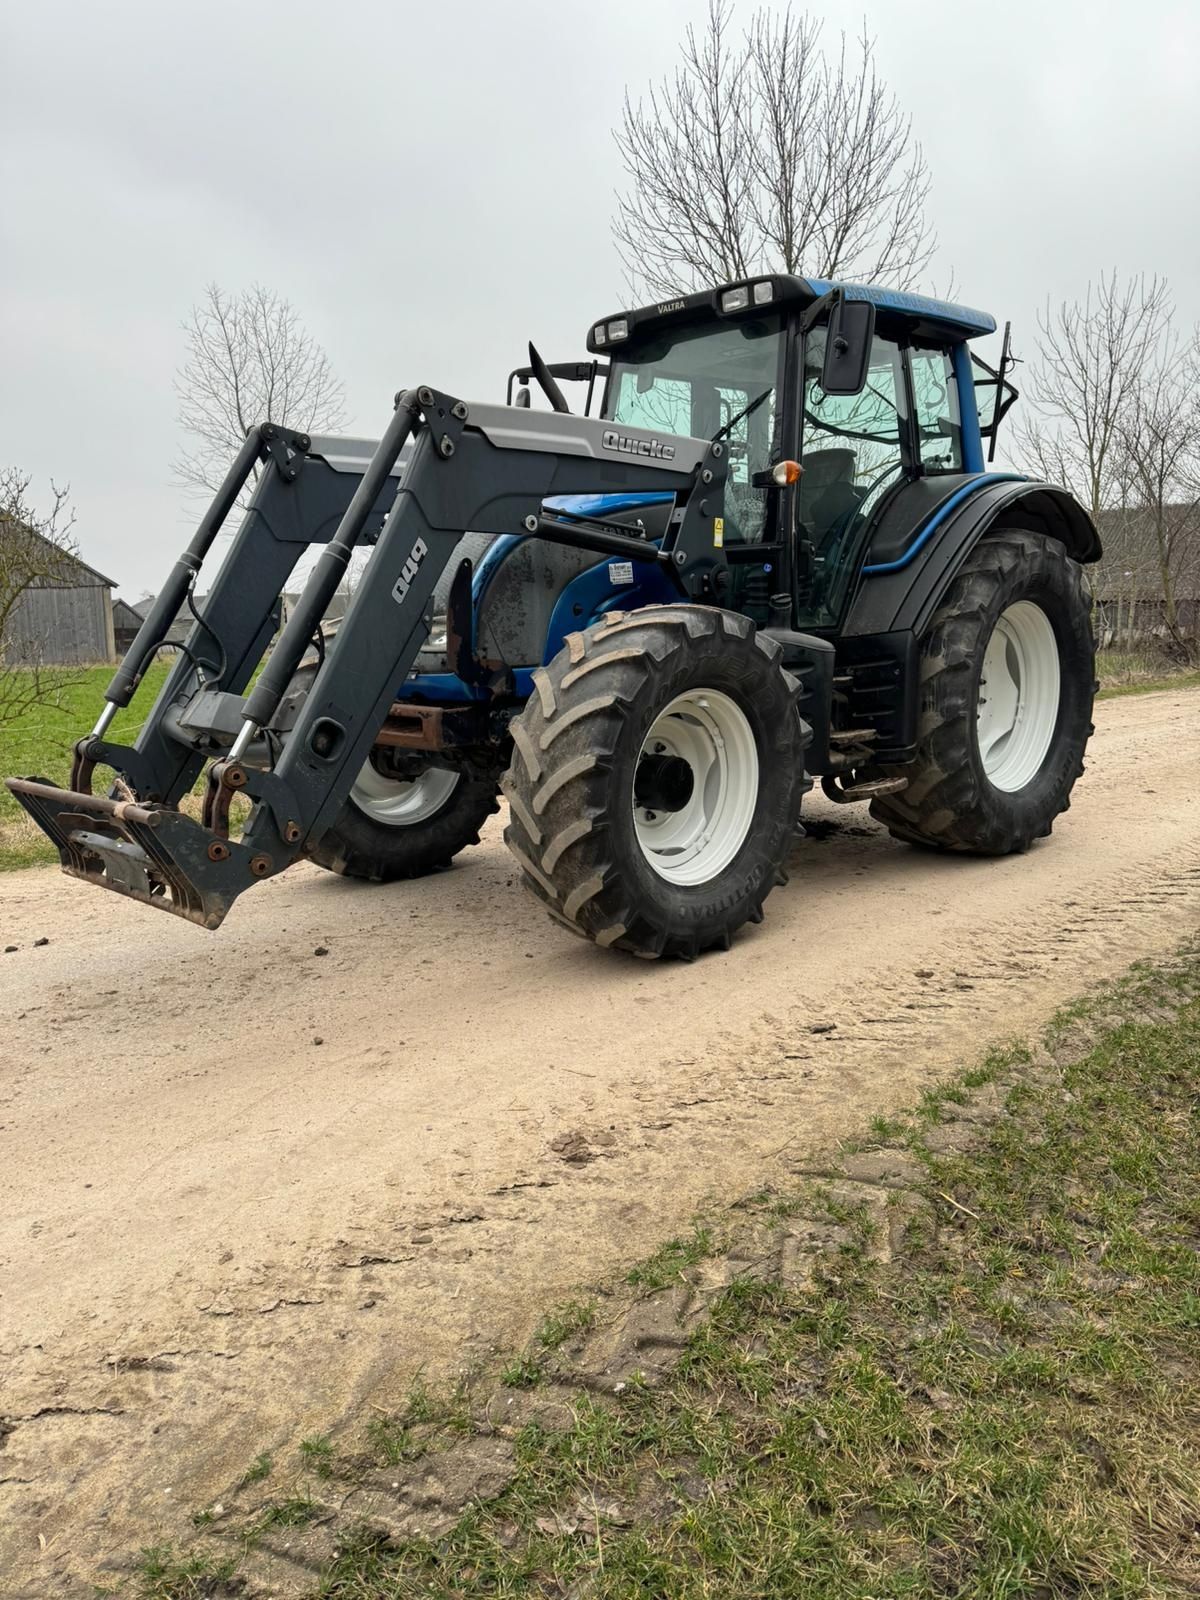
{"points": [[774, 556]]}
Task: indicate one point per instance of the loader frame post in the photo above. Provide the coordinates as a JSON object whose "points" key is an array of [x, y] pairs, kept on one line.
{"points": [[263, 700], [172, 594]]}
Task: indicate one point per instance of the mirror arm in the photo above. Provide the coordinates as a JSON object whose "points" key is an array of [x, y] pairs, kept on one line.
{"points": [[819, 307]]}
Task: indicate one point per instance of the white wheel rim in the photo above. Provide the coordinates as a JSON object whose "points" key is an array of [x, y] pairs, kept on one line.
{"points": [[1019, 692], [402, 803], [711, 733]]}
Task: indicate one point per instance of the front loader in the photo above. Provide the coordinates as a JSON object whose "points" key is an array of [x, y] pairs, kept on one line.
{"points": [[775, 557]]}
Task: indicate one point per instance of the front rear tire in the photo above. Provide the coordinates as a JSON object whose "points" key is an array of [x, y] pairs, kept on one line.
{"points": [[656, 779], [1007, 685]]}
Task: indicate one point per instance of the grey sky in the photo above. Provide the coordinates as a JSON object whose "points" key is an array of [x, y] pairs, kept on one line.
{"points": [[432, 186]]}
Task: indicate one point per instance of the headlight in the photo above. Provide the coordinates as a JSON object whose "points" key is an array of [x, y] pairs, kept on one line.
{"points": [[618, 329], [735, 299]]}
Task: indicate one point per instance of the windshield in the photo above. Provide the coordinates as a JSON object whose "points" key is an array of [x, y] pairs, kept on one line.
{"points": [[692, 380]]}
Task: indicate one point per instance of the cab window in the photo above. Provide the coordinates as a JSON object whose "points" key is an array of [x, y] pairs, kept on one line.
{"points": [[694, 379], [852, 456], [935, 402]]}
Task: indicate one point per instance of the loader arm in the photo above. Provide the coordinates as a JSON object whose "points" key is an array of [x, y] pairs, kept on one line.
{"points": [[486, 468]]}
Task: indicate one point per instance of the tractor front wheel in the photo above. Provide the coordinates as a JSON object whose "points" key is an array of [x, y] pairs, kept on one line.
{"points": [[656, 778], [1007, 683], [404, 825], [402, 819]]}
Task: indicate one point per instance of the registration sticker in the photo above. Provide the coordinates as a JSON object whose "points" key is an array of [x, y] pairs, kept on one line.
{"points": [[718, 532], [620, 571]]}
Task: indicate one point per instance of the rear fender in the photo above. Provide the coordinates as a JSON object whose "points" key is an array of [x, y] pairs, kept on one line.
{"points": [[901, 593]]}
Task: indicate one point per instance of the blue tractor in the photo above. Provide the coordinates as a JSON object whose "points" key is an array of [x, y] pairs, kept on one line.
{"points": [[775, 556]]}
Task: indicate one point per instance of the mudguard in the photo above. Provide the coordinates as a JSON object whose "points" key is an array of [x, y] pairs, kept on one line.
{"points": [[920, 544]]}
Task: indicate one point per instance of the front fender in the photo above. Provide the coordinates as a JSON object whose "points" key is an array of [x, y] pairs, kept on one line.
{"points": [[903, 579]]}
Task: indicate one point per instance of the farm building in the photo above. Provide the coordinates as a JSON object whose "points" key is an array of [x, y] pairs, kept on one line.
{"points": [[126, 622], [1127, 582], [63, 613]]}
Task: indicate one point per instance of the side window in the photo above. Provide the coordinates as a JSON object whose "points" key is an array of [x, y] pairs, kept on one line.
{"points": [[851, 457], [935, 397], [851, 442]]}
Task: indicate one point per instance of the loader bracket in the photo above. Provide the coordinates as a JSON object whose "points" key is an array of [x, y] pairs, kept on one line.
{"points": [[91, 753], [149, 853], [286, 448]]}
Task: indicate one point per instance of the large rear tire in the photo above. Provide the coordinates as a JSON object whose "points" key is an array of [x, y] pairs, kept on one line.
{"points": [[656, 779], [1007, 685]]}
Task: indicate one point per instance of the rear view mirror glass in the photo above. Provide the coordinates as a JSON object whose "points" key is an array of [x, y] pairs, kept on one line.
{"points": [[848, 347]]}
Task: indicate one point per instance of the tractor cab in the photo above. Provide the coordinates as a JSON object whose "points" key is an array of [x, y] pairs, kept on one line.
{"points": [[869, 390]]}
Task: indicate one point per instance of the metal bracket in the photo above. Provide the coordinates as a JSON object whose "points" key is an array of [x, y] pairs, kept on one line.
{"points": [[286, 448], [444, 416], [91, 753], [228, 778]]}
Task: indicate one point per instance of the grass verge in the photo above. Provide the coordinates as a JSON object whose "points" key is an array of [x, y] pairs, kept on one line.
{"points": [[41, 742], [985, 1382], [1123, 672]]}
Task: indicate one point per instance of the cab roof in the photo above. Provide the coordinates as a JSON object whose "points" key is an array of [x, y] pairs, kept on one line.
{"points": [[918, 315]]}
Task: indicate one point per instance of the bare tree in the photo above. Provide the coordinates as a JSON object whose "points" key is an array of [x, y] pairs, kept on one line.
{"points": [[763, 153], [36, 548], [1158, 441], [249, 360], [1090, 359], [1116, 419]]}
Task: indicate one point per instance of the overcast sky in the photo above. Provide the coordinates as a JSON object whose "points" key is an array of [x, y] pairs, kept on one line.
{"points": [[431, 186]]}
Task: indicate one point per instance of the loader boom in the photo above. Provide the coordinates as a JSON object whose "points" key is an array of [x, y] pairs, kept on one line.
{"points": [[486, 468]]}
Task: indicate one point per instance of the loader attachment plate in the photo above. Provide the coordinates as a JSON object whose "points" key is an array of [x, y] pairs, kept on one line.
{"points": [[150, 853]]}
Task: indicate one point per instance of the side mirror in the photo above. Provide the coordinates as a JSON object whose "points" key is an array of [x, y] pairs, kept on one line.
{"points": [[848, 346]]}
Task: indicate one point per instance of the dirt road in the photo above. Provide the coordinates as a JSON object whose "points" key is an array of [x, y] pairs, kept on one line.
{"points": [[246, 1185]]}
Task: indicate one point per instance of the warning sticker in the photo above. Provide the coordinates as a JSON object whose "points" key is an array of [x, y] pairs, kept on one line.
{"points": [[718, 532], [620, 571]]}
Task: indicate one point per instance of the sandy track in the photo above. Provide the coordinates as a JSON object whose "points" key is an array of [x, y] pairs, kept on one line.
{"points": [[217, 1235]]}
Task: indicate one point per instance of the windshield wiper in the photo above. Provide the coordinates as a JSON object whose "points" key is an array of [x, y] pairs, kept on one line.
{"points": [[744, 412]]}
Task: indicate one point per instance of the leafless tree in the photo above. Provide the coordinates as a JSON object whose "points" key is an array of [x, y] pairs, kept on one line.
{"points": [[1091, 356], [1158, 445], [249, 360], [36, 548], [762, 152], [1115, 418]]}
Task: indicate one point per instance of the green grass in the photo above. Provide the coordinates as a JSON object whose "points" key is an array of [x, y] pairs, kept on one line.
{"points": [[164, 1575], [567, 1322], [295, 1512], [427, 1417], [671, 1260], [316, 1454], [1123, 672], [260, 1468], [1006, 1409], [40, 745], [1175, 680]]}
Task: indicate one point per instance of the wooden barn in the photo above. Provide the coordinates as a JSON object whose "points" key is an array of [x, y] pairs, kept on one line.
{"points": [[127, 620], [63, 616]]}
